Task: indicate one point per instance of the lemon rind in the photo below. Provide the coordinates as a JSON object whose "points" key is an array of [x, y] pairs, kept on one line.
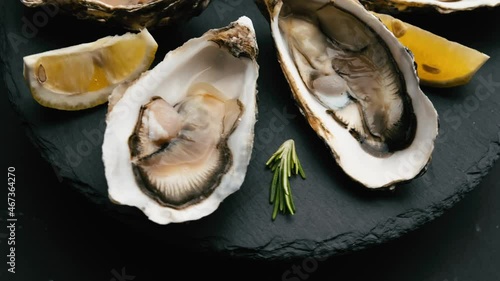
{"points": [[80, 101]]}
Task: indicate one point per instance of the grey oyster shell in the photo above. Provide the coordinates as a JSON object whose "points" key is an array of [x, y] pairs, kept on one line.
{"points": [[129, 14], [442, 6]]}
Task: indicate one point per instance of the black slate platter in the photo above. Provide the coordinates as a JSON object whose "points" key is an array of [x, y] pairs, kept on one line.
{"points": [[334, 215]]}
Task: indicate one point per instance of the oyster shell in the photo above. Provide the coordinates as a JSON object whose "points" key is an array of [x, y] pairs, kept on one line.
{"points": [[130, 14], [443, 6], [179, 139], [357, 86]]}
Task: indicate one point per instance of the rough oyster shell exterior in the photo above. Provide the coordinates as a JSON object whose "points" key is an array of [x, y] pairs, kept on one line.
{"points": [[394, 6], [132, 17]]}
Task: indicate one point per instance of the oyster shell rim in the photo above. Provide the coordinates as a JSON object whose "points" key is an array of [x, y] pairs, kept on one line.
{"points": [[235, 177], [405, 6], [273, 8], [134, 17]]}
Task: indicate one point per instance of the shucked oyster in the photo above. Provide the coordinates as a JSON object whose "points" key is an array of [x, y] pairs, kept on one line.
{"points": [[179, 139], [357, 87], [130, 14], [443, 6]]}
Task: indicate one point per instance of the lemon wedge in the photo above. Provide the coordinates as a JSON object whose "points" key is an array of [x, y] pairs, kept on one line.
{"points": [[83, 76], [440, 62]]}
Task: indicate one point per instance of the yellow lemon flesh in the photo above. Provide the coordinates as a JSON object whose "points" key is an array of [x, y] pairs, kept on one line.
{"points": [[441, 63], [83, 76]]}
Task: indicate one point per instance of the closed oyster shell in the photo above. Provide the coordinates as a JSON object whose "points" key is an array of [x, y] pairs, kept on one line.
{"points": [[442, 6], [130, 14]]}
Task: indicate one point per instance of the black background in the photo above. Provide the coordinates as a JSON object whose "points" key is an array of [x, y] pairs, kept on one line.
{"points": [[61, 236]]}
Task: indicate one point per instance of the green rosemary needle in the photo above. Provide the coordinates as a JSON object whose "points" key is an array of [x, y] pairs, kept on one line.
{"points": [[283, 163]]}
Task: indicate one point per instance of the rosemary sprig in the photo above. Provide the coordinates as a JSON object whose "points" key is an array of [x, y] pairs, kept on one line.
{"points": [[283, 163]]}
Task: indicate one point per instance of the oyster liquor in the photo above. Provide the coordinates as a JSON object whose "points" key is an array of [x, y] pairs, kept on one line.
{"points": [[11, 221]]}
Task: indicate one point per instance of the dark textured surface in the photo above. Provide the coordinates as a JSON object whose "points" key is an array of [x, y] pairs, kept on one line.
{"points": [[61, 236], [334, 215]]}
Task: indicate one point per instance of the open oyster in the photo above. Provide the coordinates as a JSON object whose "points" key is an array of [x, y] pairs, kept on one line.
{"points": [[130, 14], [357, 86], [179, 139], [443, 6]]}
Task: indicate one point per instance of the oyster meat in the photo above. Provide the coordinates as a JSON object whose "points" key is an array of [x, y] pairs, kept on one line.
{"points": [[443, 6], [179, 139], [357, 86], [129, 14]]}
